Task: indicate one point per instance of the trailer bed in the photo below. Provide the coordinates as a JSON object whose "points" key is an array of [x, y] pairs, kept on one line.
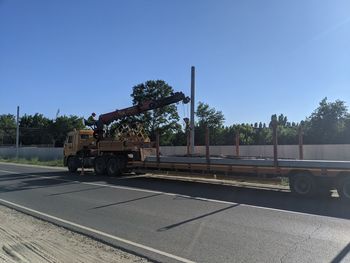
{"points": [[282, 163]]}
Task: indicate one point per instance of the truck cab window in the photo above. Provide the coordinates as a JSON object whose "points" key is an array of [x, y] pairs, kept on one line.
{"points": [[84, 136]]}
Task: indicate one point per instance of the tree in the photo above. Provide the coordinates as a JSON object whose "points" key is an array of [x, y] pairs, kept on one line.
{"points": [[62, 125], [211, 118], [164, 119], [34, 129], [281, 120], [327, 123], [7, 129]]}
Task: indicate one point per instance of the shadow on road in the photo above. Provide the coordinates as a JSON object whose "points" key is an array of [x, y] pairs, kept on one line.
{"points": [[342, 254], [256, 197], [195, 218], [124, 202]]}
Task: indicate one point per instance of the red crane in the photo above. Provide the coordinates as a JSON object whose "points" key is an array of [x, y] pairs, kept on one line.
{"points": [[108, 118]]}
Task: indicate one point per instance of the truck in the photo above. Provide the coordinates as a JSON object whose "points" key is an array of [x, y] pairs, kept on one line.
{"points": [[96, 148], [133, 149]]}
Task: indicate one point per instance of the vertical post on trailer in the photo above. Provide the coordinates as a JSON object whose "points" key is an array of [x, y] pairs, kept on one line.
{"points": [[157, 147], [188, 136], [207, 153], [301, 143], [237, 142], [275, 143]]}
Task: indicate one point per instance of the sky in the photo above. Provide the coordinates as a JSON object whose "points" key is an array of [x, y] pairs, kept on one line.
{"points": [[253, 58]]}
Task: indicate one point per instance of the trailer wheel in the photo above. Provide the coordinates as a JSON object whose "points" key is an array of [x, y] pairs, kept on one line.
{"points": [[72, 164], [343, 188], [302, 184], [114, 166], [100, 166]]}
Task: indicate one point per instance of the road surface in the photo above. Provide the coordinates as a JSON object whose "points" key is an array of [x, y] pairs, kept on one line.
{"points": [[173, 221]]}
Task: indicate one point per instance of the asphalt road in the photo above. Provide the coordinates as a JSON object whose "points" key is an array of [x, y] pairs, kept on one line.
{"points": [[171, 221]]}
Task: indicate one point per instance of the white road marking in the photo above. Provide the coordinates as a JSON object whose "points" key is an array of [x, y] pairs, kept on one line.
{"points": [[119, 239], [172, 194]]}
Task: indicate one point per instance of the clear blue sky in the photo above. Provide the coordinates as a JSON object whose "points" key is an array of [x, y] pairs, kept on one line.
{"points": [[253, 58]]}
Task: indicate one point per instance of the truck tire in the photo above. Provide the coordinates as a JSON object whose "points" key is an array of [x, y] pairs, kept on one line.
{"points": [[72, 164], [302, 184], [343, 188], [100, 166], [114, 166]]}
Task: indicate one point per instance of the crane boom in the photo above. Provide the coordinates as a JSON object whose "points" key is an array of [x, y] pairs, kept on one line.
{"points": [[107, 118]]}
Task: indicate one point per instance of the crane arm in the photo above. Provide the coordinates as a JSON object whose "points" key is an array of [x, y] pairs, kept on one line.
{"points": [[107, 118]]}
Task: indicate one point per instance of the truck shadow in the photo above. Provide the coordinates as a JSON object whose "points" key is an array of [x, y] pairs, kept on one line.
{"points": [[271, 199]]}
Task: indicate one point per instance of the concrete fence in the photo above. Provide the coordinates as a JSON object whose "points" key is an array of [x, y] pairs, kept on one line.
{"points": [[42, 153], [311, 152]]}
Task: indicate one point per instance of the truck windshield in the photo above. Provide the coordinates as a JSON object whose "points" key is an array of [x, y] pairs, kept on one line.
{"points": [[84, 136]]}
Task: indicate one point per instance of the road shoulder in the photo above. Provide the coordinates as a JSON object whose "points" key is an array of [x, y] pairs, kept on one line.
{"points": [[27, 239]]}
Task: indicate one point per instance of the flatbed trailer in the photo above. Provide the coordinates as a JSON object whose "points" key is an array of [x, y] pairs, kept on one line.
{"points": [[306, 177]]}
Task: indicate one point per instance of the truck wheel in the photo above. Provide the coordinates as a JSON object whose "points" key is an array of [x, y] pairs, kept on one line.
{"points": [[114, 166], [302, 184], [72, 164], [100, 166], [343, 189]]}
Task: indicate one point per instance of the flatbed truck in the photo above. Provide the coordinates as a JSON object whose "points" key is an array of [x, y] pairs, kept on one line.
{"points": [[114, 155]]}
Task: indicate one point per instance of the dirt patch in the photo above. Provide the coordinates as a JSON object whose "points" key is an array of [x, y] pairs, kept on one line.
{"points": [[26, 239]]}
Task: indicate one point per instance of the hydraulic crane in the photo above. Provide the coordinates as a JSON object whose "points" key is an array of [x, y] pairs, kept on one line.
{"points": [[108, 118], [107, 154]]}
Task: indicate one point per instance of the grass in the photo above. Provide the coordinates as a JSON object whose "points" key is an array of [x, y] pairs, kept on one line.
{"points": [[34, 161]]}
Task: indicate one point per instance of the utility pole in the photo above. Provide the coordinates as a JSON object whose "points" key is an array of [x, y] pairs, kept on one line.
{"points": [[17, 133], [192, 108]]}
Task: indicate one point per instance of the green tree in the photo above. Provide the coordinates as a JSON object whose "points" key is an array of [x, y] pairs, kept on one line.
{"points": [[327, 124], [34, 129], [211, 118], [164, 119], [62, 125], [7, 129]]}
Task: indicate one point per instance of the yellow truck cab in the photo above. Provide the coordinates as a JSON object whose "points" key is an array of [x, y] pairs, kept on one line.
{"points": [[77, 142]]}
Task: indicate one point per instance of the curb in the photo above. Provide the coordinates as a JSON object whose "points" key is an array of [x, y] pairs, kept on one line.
{"points": [[33, 165]]}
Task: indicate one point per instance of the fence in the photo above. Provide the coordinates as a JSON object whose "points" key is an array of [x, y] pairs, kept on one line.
{"points": [[339, 152], [42, 153]]}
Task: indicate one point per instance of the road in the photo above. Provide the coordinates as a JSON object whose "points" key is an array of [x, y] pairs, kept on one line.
{"points": [[173, 221]]}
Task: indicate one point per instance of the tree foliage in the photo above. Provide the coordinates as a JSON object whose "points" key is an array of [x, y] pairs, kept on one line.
{"points": [[329, 123], [37, 129], [34, 129], [62, 125], [165, 119], [7, 129], [211, 118]]}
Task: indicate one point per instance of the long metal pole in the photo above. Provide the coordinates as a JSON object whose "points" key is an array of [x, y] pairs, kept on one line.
{"points": [[192, 108], [17, 133], [207, 153]]}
